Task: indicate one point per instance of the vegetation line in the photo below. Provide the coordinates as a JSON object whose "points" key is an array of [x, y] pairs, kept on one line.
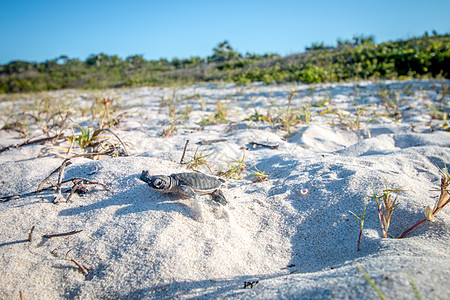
{"points": [[427, 56]]}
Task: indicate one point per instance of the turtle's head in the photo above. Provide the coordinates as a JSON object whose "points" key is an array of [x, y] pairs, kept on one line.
{"points": [[158, 182]]}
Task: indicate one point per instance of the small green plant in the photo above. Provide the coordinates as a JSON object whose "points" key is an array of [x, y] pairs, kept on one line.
{"points": [[390, 101], [446, 126], [356, 90], [50, 113], [198, 160], [361, 222], [259, 176], [18, 125], [438, 114], [311, 90], [445, 89], [414, 287], [169, 103], [326, 101], [442, 201], [347, 120], [360, 111], [305, 114], [86, 138], [216, 118], [235, 169], [408, 89], [290, 117], [372, 284], [91, 141], [256, 117], [291, 95], [168, 132], [186, 112]]}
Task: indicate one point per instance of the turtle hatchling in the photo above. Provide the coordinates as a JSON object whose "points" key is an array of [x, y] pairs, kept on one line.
{"points": [[189, 184]]}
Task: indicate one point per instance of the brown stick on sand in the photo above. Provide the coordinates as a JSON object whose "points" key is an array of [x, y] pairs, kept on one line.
{"points": [[82, 268], [61, 172], [184, 152], [30, 235], [31, 142], [65, 163], [49, 236]]}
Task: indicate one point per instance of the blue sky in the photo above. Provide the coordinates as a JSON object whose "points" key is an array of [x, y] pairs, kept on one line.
{"points": [[41, 30]]}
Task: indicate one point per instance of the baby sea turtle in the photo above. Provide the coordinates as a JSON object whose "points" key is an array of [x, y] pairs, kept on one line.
{"points": [[188, 184]]}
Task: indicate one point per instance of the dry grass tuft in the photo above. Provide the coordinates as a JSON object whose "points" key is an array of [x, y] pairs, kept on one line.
{"points": [[385, 207], [198, 160], [442, 201]]}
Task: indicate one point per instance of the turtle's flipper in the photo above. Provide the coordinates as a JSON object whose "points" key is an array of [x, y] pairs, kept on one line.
{"points": [[219, 197], [188, 191]]}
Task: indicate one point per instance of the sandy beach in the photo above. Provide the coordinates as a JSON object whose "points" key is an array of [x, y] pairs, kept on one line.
{"points": [[297, 159]]}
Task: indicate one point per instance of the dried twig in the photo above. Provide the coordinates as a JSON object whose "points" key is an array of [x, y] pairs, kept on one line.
{"points": [[86, 181], [61, 172], [79, 186], [267, 145], [18, 196], [49, 236], [31, 142], [78, 182], [123, 145], [82, 268], [10, 197], [65, 163], [184, 152], [296, 270], [210, 142], [30, 235]]}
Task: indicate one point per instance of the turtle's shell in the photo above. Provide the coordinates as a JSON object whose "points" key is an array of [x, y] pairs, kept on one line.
{"points": [[199, 182]]}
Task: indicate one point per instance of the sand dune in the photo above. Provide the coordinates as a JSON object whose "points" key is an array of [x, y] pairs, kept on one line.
{"points": [[291, 236]]}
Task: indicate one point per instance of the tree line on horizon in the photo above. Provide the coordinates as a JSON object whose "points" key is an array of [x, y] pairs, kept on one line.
{"points": [[361, 58]]}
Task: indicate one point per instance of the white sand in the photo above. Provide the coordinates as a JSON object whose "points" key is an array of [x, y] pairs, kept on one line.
{"points": [[138, 243]]}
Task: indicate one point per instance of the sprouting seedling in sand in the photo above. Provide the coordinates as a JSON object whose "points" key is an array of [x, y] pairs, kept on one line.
{"points": [[168, 132], [91, 141], [259, 176], [100, 143], [372, 284], [444, 199], [378, 291], [198, 159], [219, 117], [256, 116], [414, 287], [385, 207], [361, 222], [235, 169]]}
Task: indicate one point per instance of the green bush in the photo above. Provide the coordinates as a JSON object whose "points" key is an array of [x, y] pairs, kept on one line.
{"points": [[361, 58]]}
